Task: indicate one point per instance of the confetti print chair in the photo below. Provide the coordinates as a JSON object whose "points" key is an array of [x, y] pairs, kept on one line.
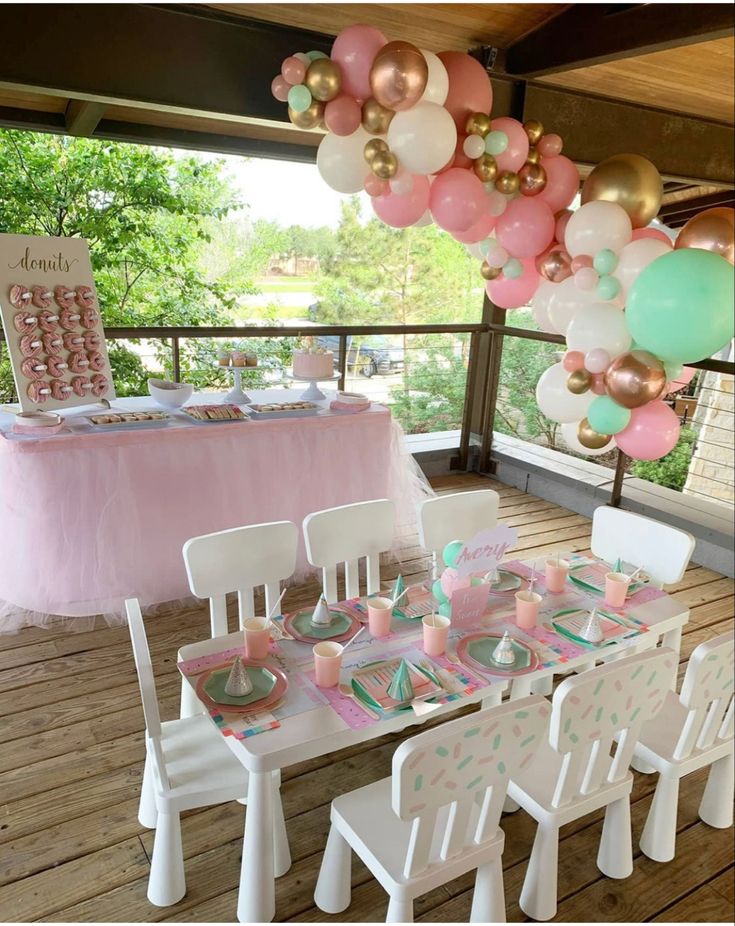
{"points": [[438, 816], [693, 730], [574, 773], [346, 534], [455, 517]]}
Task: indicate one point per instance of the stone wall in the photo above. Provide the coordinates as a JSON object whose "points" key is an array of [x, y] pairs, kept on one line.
{"points": [[713, 462]]}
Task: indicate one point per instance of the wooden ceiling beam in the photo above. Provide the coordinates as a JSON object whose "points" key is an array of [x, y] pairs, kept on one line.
{"points": [[82, 116]]}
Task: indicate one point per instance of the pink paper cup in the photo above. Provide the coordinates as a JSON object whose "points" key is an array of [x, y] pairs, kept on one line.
{"points": [[527, 608], [556, 575], [380, 611], [616, 589], [257, 637], [436, 632], [327, 663]]}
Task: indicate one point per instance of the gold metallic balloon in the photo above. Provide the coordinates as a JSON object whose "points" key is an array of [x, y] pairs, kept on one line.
{"points": [[488, 272], [507, 182], [477, 124], [384, 165], [590, 438], [398, 75], [579, 382], [485, 168], [534, 130], [554, 264], [629, 180], [532, 179], [309, 118], [711, 230], [533, 156], [373, 147], [376, 118], [635, 379], [324, 79]]}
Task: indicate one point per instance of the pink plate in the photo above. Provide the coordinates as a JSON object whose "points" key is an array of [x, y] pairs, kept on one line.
{"points": [[279, 689], [464, 656]]}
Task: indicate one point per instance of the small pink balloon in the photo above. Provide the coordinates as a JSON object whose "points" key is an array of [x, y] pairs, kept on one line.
{"points": [[526, 227], [458, 200], [509, 293], [497, 257], [374, 186], [573, 360], [639, 233], [343, 115], [597, 360], [586, 278], [280, 87], [681, 381], [514, 156], [597, 384], [562, 182], [400, 211], [477, 232], [581, 261], [452, 581], [293, 71], [562, 218], [497, 203], [652, 432], [354, 50], [402, 183], [549, 146]]}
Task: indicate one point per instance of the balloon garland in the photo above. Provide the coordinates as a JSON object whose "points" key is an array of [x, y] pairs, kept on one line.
{"points": [[414, 130]]}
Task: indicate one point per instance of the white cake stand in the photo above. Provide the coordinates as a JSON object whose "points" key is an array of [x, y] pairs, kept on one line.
{"points": [[236, 395], [313, 393]]}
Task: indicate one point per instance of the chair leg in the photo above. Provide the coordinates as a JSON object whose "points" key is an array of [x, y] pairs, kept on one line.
{"points": [[615, 855], [166, 884], [715, 808], [488, 900], [190, 705], [147, 812], [640, 765], [538, 895], [399, 911], [658, 839], [333, 890], [281, 850]]}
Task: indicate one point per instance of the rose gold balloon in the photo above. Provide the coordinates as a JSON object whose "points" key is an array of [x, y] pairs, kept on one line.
{"points": [[398, 75], [635, 379], [488, 272], [324, 79], [590, 438], [533, 156], [376, 118], [477, 124], [580, 262], [629, 180], [507, 182], [373, 147], [711, 230], [485, 168], [384, 165], [578, 382], [534, 130], [554, 264], [309, 118], [532, 179]]}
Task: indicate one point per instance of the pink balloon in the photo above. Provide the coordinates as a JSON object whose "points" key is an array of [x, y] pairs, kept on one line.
{"points": [[451, 581], [652, 432], [681, 381], [651, 233], [514, 156], [354, 50], [597, 360], [293, 71], [280, 87], [573, 360], [469, 87], [374, 186], [477, 232], [457, 200], [598, 384], [526, 227], [550, 146], [400, 211], [512, 294], [561, 224], [343, 115], [562, 182]]}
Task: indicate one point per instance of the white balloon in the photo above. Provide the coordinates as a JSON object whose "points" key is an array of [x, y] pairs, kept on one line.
{"points": [[566, 300], [600, 325], [437, 83], [426, 219], [540, 305], [556, 401], [474, 250], [595, 226], [423, 138], [341, 161], [569, 436], [474, 146], [635, 257]]}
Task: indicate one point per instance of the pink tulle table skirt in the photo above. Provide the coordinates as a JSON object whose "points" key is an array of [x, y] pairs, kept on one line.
{"points": [[87, 520]]}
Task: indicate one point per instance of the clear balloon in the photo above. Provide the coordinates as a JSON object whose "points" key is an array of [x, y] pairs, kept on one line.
{"points": [[400, 211], [423, 138], [340, 161], [514, 156], [556, 401], [653, 432], [567, 300], [470, 90], [437, 84], [457, 200], [354, 50], [342, 115], [598, 225], [526, 227], [570, 438], [635, 257], [512, 293], [599, 325], [562, 182]]}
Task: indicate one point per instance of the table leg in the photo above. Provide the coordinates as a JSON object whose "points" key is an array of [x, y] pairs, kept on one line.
{"points": [[521, 687], [256, 901], [672, 639]]}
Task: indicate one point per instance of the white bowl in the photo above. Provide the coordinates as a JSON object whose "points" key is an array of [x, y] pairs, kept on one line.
{"points": [[169, 395]]}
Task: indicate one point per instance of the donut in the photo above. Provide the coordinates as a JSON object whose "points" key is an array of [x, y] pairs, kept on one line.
{"points": [[81, 385], [30, 345], [38, 391], [64, 296], [32, 368], [42, 296], [47, 320], [52, 344], [90, 318], [24, 322], [78, 362], [92, 340], [69, 319], [59, 389], [56, 366], [99, 385], [73, 342], [19, 296], [85, 297], [96, 361]]}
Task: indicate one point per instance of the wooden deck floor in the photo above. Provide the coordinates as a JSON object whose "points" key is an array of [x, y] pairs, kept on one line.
{"points": [[71, 759]]}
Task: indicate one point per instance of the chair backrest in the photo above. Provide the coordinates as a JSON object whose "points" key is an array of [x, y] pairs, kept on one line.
{"points": [[147, 685], [344, 535], [239, 560], [441, 777], [590, 711], [661, 550], [707, 694], [455, 517]]}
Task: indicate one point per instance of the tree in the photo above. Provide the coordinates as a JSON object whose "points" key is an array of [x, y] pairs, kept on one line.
{"points": [[671, 470]]}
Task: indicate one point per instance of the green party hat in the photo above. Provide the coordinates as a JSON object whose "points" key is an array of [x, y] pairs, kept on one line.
{"points": [[399, 587], [401, 687]]}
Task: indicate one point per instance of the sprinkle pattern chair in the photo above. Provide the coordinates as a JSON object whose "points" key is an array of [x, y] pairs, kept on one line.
{"points": [[455, 517]]}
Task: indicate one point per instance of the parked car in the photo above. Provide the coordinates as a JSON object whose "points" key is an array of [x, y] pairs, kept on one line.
{"points": [[368, 355]]}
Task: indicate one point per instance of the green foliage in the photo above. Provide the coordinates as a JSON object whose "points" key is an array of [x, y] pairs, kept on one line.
{"points": [[432, 397], [671, 470]]}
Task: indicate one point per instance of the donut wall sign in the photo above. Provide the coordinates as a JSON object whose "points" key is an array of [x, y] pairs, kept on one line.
{"points": [[52, 323]]}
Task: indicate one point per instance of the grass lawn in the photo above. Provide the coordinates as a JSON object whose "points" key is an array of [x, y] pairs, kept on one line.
{"points": [[288, 285]]}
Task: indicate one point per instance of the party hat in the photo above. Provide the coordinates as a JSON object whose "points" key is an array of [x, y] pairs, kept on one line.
{"points": [[503, 653], [321, 616], [592, 631], [238, 683], [401, 687], [399, 587], [618, 567]]}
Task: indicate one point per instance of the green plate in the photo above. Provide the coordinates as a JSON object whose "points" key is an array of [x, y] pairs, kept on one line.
{"points": [[363, 696], [482, 651], [263, 684], [341, 623], [591, 587], [507, 582]]}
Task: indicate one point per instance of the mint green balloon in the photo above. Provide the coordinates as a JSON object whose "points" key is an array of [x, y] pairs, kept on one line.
{"points": [[512, 268], [436, 591], [606, 416], [445, 609], [484, 246], [496, 142], [299, 98], [608, 288], [681, 306], [605, 261], [451, 552], [313, 55]]}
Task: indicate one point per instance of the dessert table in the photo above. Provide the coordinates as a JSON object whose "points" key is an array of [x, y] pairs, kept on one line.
{"points": [[89, 519]]}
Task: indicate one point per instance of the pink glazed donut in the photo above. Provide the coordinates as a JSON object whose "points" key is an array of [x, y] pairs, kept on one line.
{"points": [[99, 385], [69, 319], [32, 368], [38, 391], [64, 296], [48, 321], [24, 322], [20, 296], [56, 366], [52, 344], [92, 340], [96, 361], [81, 385], [90, 318], [85, 297], [73, 341], [30, 345], [59, 389], [78, 362], [42, 297]]}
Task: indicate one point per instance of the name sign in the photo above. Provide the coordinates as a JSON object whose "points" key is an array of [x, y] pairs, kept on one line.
{"points": [[486, 550]]}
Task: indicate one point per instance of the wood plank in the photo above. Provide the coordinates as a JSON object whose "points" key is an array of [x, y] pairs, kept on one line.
{"points": [[725, 885], [703, 905]]}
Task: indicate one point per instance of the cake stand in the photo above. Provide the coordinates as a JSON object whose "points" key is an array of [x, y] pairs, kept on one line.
{"points": [[236, 396], [313, 393]]}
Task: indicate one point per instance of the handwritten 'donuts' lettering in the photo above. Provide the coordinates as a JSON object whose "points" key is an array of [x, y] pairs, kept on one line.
{"points": [[56, 263]]}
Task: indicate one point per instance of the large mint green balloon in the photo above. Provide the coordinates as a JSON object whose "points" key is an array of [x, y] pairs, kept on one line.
{"points": [[681, 306], [436, 591], [451, 552], [606, 416]]}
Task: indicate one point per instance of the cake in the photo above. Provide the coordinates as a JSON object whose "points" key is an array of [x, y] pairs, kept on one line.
{"points": [[313, 362]]}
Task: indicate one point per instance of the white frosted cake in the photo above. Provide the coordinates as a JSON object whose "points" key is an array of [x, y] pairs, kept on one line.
{"points": [[313, 363]]}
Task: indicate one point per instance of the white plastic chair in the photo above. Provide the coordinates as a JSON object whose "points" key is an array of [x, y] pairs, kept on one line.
{"points": [[187, 765], [694, 730], [239, 560], [659, 549], [438, 816], [346, 534], [455, 517], [574, 773]]}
